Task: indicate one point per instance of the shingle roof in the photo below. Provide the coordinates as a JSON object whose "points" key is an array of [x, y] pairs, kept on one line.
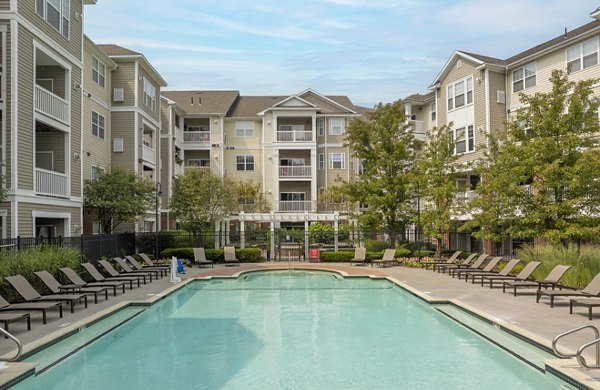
{"points": [[344, 101], [249, 106], [486, 59], [420, 98], [116, 50], [203, 102]]}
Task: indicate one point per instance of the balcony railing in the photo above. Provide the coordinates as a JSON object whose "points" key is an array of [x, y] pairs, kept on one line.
{"points": [[295, 171], [52, 105], [294, 206], [294, 136], [51, 183], [418, 128], [148, 154], [196, 136]]}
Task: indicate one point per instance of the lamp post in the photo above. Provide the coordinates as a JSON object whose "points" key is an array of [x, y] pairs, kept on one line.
{"points": [[157, 224]]}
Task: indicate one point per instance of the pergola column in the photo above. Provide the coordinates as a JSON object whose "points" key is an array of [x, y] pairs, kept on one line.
{"points": [[272, 255], [242, 231], [306, 248], [335, 231]]}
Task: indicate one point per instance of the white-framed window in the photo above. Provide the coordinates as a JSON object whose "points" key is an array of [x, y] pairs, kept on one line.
{"points": [[337, 126], [524, 77], [292, 196], [149, 94], [337, 161], [57, 13], [582, 55], [321, 161], [245, 163], [463, 139], [98, 71], [321, 126], [97, 228], [433, 111], [244, 129], [460, 93], [96, 172], [98, 125]]}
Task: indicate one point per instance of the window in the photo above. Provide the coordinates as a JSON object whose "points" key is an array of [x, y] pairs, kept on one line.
{"points": [[97, 125], [524, 77], [245, 163], [292, 162], [321, 161], [337, 161], [57, 13], [460, 93], [336, 126], [433, 111], [583, 55], [97, 228], [96, 172], [98, 71], [464, 141], [321, 126], [244, 129], [149, 94], [291, 127], [292, 196]]}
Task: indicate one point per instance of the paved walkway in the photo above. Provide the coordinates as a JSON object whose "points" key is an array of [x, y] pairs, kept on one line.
{"points": [[520, 314]]}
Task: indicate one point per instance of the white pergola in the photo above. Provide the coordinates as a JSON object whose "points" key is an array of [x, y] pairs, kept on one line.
{"points": [[272, 217]]}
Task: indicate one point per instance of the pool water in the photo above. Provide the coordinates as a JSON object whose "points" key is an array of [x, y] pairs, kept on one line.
{"points": [[291, 330]]}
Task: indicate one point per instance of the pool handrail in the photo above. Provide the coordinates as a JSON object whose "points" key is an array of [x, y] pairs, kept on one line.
{"points": [[578, 355], [19, 346]]}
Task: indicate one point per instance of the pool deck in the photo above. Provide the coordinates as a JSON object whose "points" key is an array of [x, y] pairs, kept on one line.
{"points": [[520, 314]]}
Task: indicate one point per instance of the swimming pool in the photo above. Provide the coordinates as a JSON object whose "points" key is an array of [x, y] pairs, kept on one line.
{"points": [[291, 330]]}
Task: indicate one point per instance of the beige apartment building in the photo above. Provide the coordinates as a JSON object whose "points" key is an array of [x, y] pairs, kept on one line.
{"points": [[477, 94]]}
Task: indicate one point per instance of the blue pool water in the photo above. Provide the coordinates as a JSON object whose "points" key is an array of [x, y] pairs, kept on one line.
{"points": [[291, 330]]}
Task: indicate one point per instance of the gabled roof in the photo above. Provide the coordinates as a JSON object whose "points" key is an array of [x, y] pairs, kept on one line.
{"points": [[477, 60], [342, 102], [251, 106], [486, 59], [294, 101], [116, 53], [420, 99], [116, 50], [203, 102]]}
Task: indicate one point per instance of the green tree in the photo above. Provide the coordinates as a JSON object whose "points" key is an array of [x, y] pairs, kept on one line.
{"points": [[385, 144], [117, 197], [249, 197], [200, 199], [436, 182]]}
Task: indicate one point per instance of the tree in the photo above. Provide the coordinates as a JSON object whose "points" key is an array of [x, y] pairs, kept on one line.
{"points": [[200, 199], [436, 182], [385, 144], [333, 199], [249, 197], [117, 197]]}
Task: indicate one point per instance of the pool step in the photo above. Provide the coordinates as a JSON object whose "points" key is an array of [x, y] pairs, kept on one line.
{"points": [[59, 351], [520, 348]]}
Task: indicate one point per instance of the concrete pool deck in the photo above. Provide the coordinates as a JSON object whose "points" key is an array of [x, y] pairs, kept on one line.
{"points": [[520, 314]]}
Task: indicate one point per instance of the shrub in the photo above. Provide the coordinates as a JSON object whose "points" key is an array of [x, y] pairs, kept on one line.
{"points": [[247, 255], [402, 252], [337, 257], [376, 245], [424, 253]]}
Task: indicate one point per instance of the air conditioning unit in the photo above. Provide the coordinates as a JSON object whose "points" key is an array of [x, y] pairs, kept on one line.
{"points": [[215, 145], [501, 97], [118, 95], [118, 145]]}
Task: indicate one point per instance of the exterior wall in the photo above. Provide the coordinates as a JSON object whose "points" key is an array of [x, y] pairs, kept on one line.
{"points": [[25, 126], [124, 77], [96, 151], [143, 73], [123, 126], [497, 82], [26, 219]]}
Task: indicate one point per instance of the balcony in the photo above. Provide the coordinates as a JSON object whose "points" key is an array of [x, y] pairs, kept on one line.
{"points": [[178, 169], [466, 195], [294, 136], [178, 134], [148, 154], [295, 206], [295, 171], [419, 130], [52, 105], [51, 183], [197, 136]]}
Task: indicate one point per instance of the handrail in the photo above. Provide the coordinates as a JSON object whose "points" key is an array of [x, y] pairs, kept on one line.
{"points": [[580, 358], [16, 340]]}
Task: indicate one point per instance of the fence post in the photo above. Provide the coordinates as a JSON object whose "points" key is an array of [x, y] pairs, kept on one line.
{"points": [[18, 243], [81, 246]]}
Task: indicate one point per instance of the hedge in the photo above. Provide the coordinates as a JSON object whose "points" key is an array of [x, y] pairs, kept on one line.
{"points": [[247, 255], [337, 257]]}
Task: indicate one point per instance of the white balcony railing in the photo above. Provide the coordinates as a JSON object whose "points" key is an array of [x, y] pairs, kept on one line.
{"points": [[148, 154], [196, 136], [418, 128], [466, 195], [295, 171], [294, 206], [294, 136], [52, 105], [51, 183]]}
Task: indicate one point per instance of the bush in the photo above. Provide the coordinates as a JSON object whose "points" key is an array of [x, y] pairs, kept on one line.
{"points": [[41, 259], [337, 257], [402, 252], [376, 245], [424, 253]]}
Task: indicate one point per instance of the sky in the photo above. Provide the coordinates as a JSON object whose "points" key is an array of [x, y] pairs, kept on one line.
{"points": [[369, 50]]}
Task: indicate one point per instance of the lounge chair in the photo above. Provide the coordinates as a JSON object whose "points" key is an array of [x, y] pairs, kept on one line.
{"points": [[445, 266], [591, 290], [590, 303], [523, 275], [552, 280], [488, 269], [31, 306], [229, 256], [450, 260], [29, 294], [476, 266], [56, 288], [160, 269], [8, 318], [116, 275], [388, 258], [504, 272], [127, 270], [360, 256], [200, 258], [76, 279]]}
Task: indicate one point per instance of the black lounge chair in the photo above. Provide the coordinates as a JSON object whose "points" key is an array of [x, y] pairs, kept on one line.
{"points": [[591, 290], [57, 288], [200, 258], [127, 270], [450, 260], [77, 280], [476, 266], [485, 272], [552, 280], [8, 318], [149, 262], [116, 274], [31, 306], [465, 264], [161, 270], [523, 275], [29, 294], [590, 303]]}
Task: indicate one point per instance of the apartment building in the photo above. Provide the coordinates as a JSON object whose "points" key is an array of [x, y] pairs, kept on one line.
{"points": [[41, 65], [476, 95]]}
